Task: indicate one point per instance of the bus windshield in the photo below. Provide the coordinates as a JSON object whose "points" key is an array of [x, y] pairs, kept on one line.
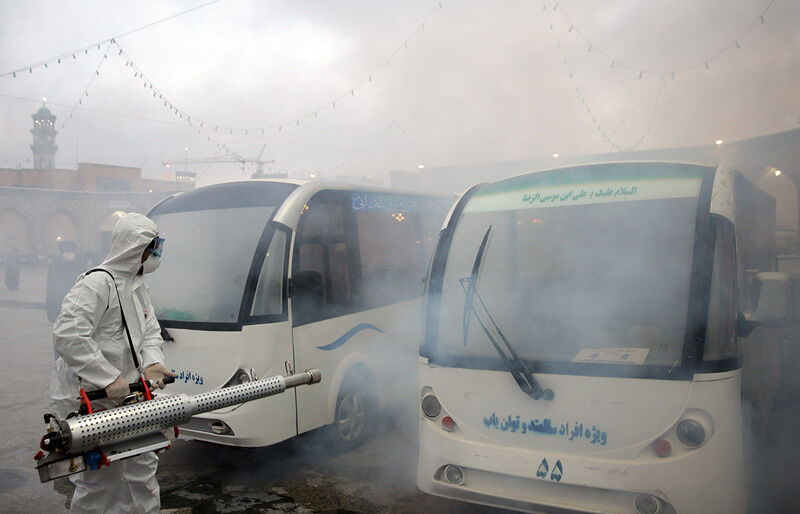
{"points": [[211, 235], [585, 265]]}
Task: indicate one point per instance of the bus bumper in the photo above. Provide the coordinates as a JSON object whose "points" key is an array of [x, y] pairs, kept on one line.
{"points": [[530, 495], [513, 478], [245, 425]]}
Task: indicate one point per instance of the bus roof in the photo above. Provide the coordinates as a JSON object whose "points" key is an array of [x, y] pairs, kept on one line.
{"points": [[297, 182], [314, 186], [289, 196], [598, 163]]}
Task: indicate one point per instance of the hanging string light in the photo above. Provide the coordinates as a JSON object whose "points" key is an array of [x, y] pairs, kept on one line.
{"points": [[146, 83], [735, 44], [86, 49], [138, 73], [599, 129], [88, 85]]}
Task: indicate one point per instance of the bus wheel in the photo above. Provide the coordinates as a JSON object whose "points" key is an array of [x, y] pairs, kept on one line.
{"points": [[353, 411]]}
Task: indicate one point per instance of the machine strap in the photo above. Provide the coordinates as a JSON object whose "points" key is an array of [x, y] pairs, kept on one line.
{"points": [[122, 315]]}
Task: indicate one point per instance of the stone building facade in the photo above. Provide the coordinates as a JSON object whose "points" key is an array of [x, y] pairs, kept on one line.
{"points": [[43, 206], [35, 220]]}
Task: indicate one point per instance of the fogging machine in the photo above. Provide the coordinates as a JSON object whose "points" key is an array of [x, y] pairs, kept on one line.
{"points": [[90, 440]]}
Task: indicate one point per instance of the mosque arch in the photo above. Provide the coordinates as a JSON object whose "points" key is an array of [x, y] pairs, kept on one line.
{"points": [[59, 226], [14, 232]]}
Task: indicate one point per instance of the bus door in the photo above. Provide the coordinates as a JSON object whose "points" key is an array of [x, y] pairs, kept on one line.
{"points": [[267, 333]]}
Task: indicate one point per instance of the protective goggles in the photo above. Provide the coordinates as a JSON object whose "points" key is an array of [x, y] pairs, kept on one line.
{"points": [[156, 246]]}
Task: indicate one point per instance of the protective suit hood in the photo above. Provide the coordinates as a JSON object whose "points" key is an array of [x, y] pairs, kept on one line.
{"points": [[131, 235]]}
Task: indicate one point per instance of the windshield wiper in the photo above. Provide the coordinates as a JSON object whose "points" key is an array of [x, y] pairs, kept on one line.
{"points": [[522, 375], [469, 285]]}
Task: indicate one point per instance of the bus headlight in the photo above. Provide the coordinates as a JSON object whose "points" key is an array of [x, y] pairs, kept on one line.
{"points": [[431, 406], [691, 433], [453, 474]]}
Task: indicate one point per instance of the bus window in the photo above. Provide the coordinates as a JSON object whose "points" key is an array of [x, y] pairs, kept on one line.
{"points": [[369, 249], [213, 233], [341, 293], [392, 256], [324, 218], [326, 246], [219, 243], [268, 299], [570, 282], [722, 310], [310, 257]]}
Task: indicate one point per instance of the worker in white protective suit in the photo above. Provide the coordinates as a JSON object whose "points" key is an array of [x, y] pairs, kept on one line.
{"points": [[95, 352]]}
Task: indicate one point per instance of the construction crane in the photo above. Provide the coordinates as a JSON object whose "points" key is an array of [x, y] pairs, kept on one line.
{"points": [[230, 159]]}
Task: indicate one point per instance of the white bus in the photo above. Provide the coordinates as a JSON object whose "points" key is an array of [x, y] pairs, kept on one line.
{"points": [[265, 277], [580, 348]]}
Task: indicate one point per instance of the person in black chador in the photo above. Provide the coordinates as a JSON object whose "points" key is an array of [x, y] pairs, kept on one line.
{"points": [[61, 276], [12, 270]]}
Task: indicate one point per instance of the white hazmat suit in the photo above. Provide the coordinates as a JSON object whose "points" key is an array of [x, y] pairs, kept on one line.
{"points": [[91, 343]]}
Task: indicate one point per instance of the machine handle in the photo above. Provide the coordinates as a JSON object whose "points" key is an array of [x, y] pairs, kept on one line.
{"points": [[135, 387]]}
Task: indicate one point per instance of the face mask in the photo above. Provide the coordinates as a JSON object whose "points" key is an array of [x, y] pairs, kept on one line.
{"points": [[151, 263], [68, 256]]}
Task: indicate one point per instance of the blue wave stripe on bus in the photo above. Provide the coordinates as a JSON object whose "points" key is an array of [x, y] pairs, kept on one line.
{"points": [[350, 333]]}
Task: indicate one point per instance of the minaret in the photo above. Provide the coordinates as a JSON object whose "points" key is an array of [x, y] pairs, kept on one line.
{"points": [[44, 138]]}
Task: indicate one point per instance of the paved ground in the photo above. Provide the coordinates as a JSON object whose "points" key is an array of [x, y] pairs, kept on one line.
{"points": [[26, 357]]}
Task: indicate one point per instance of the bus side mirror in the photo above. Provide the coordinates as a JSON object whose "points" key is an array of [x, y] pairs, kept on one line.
{"points": [[306, 292], [772, 297]]}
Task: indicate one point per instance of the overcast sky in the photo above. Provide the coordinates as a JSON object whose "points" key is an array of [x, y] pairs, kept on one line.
{"points": [[484, 81]]}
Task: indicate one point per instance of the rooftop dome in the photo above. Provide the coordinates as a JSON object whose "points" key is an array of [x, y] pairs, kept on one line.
{"points": [[43, 111]]}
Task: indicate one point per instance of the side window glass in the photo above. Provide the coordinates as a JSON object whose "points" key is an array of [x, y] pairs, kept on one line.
{"points": [[341, 292], [324, 219], [323, 273], [396, 234], [721, 342], [311, 257], [268, 299], [392, 256]]}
